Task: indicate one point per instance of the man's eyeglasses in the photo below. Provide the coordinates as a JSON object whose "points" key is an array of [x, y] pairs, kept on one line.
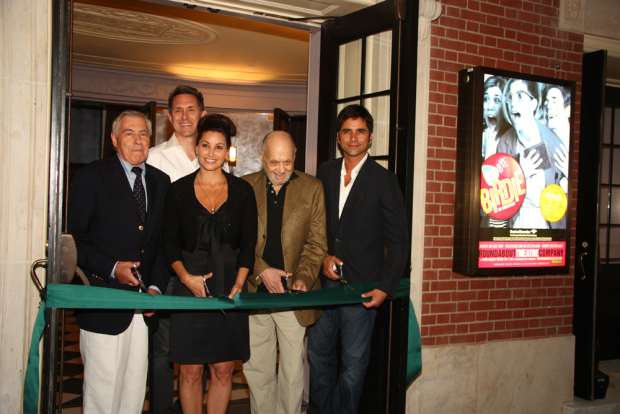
{"points": [[510, 97]]}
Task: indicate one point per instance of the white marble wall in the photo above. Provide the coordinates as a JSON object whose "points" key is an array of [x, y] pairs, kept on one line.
{"points": [[24, 138], [522, 376]]}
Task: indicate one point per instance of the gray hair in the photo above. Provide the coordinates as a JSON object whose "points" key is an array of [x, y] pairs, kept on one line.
{"points": [[116, 125], [272, 134]]}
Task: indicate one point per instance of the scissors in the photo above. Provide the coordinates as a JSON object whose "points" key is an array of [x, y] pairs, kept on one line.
{"points": [[287, 286], [137, 275], [340, 278], [209, 295]]}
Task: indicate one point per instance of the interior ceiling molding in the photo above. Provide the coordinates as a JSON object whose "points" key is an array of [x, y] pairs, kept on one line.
{"points": [[210, 75], [107, 72], [99, 84], [127, 25], [285, 8], [592, 43]]}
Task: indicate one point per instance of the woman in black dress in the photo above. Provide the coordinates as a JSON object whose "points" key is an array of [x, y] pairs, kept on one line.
{"points": [[209, 239]]}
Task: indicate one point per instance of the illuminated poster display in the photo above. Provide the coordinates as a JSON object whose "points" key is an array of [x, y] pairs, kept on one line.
{"points": [[514, 150]]}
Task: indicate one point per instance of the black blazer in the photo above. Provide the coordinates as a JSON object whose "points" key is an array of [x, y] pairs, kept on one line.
{"points": [[373, 219], [104, 219], [181, 225]]}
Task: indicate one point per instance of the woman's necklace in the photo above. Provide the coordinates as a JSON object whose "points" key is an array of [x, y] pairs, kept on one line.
{"points": [[212, 202]]}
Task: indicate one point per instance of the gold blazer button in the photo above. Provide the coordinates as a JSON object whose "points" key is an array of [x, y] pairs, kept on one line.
{"points": [[141, 228]]}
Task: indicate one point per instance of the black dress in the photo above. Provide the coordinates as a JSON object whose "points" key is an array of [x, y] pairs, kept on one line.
{"points": [[198, 337]]}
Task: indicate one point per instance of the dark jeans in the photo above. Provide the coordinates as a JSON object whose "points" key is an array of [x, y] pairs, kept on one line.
{"points": [[331, 393], [163, 370]]}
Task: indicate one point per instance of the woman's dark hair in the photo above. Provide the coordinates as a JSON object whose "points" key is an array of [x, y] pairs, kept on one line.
{"points": [[217, 123], [495, 81], [354, 112]]}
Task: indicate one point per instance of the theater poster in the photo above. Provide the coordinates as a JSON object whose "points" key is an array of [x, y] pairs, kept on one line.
{"points": [[514, 158]]}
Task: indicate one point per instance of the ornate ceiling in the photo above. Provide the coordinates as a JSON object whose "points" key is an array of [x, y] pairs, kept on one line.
{"points": [[184, 42]]}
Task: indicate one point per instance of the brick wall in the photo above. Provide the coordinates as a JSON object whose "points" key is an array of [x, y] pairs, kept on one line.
{"points": [[521, 36]]}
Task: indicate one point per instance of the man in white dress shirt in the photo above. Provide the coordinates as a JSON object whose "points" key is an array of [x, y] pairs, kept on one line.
{"points": [[177, 158]]}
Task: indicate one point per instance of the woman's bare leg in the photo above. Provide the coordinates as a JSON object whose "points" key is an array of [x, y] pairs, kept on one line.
{"points": [[220, 387], [190, 388]]}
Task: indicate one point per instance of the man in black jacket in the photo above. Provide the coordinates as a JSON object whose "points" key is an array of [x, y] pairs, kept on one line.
{"points": [[116, 211], [365, 214]]}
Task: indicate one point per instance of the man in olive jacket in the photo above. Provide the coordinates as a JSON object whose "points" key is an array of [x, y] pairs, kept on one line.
{"points": [[289, 253]]}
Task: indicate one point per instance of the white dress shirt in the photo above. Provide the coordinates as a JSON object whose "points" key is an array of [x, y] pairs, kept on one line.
{"points": [[170, 157], [345, 190]]}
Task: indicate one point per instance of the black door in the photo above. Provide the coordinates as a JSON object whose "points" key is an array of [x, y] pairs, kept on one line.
{"points": [[369, 57], [597, 268], [296, 126], [607, 343]]}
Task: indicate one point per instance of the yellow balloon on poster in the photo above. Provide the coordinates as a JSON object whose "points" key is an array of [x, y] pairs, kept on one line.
{"points": [[553, 203]]}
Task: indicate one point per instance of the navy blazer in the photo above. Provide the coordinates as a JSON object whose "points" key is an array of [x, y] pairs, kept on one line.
{"points": [[181, 226], [105, 222], [373, 219]]}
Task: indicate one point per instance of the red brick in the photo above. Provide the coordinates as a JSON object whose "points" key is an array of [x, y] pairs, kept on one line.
{"points": [[510, 24], [462, 317], [443, 318], [501, 294], [463, 296], [496, 315], [471, 37], [512, 283], [481, 327], [453, 22], [451, 45], [483, 284], [473, 16], [460, 339], [521, 303], [492, 9], [481, 305], [492, 30], [534, 313], [471, 60], [528, 17], [482, 316], [509, 45], [441, 329], [519, 324], [443, 307], [428, 341], [498, 336], [532, 293], [483, 295], [481, 337], [528, 333], [444, 296], [551, 322]]}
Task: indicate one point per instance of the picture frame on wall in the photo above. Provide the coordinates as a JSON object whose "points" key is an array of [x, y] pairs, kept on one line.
{"points": [[513, 189]]}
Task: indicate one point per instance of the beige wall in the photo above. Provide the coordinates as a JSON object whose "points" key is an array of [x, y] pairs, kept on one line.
{"points": [[24, 137]]}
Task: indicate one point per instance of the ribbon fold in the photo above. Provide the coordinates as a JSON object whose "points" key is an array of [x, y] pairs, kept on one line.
{"points": [[91, 297]]}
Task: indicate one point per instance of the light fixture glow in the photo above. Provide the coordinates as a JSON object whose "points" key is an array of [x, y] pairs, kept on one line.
{"points": [[232, 156]]}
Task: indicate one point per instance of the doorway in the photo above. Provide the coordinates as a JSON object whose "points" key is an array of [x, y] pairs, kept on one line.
{"points": [[390, 391], [597, 286]]}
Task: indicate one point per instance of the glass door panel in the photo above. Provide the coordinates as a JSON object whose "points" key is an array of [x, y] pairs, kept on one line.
{"points": [[379, 108], [378, 62], [350, 69]]}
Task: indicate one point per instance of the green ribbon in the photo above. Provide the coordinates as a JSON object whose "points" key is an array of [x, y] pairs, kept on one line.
{"points": [[90, 297]]}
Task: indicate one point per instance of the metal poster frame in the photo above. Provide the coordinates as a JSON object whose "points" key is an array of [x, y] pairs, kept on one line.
{"points": [[514, 173]]}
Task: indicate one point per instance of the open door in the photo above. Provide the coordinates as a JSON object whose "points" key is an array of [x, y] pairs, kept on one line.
{"points": [[296, 126], [588, 220], [369, 57]]}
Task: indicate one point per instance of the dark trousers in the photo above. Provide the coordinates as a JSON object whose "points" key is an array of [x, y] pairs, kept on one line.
{"points": [[163, 370], [330, 392]]}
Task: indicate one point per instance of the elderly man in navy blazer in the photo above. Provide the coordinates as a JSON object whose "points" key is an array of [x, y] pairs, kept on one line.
{"points": [[368, 241], [116, 212]]}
